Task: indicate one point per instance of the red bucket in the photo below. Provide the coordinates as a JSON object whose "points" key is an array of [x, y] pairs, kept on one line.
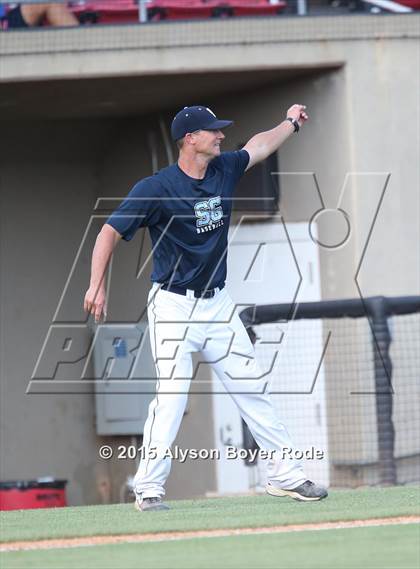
{"points": [[27, 494]]}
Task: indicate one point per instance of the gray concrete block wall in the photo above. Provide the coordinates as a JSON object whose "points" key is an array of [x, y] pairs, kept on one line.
{"points": [[47, 186]]}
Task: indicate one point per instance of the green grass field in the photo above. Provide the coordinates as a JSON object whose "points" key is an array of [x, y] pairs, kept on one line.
{"points": [[393, 547]]}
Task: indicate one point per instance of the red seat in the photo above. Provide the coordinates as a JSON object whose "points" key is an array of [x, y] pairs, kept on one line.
{"points": [[257, 8], [185, 9], [414, 4], [179, 9], [126, 11], [106, 12]]}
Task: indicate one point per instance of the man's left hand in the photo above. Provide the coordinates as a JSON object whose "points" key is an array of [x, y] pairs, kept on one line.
{"points": [[298, 112]]}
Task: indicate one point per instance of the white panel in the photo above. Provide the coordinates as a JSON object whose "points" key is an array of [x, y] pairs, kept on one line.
{"points": [[125, 374]]}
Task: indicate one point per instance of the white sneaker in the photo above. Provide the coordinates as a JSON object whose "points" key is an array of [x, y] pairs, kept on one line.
{"points": [[306, 492]]}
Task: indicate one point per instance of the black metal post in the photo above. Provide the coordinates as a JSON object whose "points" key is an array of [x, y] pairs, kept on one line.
{"points": [[381, 342]]}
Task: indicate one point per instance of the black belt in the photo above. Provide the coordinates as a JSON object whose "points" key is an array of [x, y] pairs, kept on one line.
{"points": [[205, 293]]}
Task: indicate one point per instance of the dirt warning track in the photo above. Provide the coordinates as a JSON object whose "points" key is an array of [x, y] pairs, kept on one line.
{"points": [[180, 535]]}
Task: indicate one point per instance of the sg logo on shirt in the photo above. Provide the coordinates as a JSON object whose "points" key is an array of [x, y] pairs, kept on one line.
{"points": [[209, 214]]}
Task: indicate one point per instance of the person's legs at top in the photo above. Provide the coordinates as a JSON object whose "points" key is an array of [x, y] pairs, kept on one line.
{"points": [[15, 20], [56, 14], [59, 15]]}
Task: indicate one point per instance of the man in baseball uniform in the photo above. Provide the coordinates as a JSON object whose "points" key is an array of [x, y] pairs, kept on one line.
{"points": [[187, 208]]}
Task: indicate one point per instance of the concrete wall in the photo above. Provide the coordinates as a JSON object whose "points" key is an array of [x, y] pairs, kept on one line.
{"points": [[53, 171], [48, 185]]}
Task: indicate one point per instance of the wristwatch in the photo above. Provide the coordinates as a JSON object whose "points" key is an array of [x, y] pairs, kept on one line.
{"points": [[294, 123]]}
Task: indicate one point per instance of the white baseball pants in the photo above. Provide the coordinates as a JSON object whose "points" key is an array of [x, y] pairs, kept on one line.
{"points": [[180, 325]]}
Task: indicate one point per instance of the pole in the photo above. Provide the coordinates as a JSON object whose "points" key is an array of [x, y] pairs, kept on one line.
{"points": [[301, 8], [381, 343], [142, 11]]}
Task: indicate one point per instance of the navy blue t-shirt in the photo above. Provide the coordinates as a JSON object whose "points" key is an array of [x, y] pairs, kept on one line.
{"points": [[188, 220]]}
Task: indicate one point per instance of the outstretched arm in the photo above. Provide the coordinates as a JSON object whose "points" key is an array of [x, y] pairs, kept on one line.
{"points": [[260, 146], [95, 296]]}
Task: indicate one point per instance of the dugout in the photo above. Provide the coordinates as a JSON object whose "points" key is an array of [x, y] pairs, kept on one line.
{"points": [[80, 111]]}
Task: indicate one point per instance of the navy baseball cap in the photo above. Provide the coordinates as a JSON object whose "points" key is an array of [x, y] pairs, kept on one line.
{"points": [[195, 118]]}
